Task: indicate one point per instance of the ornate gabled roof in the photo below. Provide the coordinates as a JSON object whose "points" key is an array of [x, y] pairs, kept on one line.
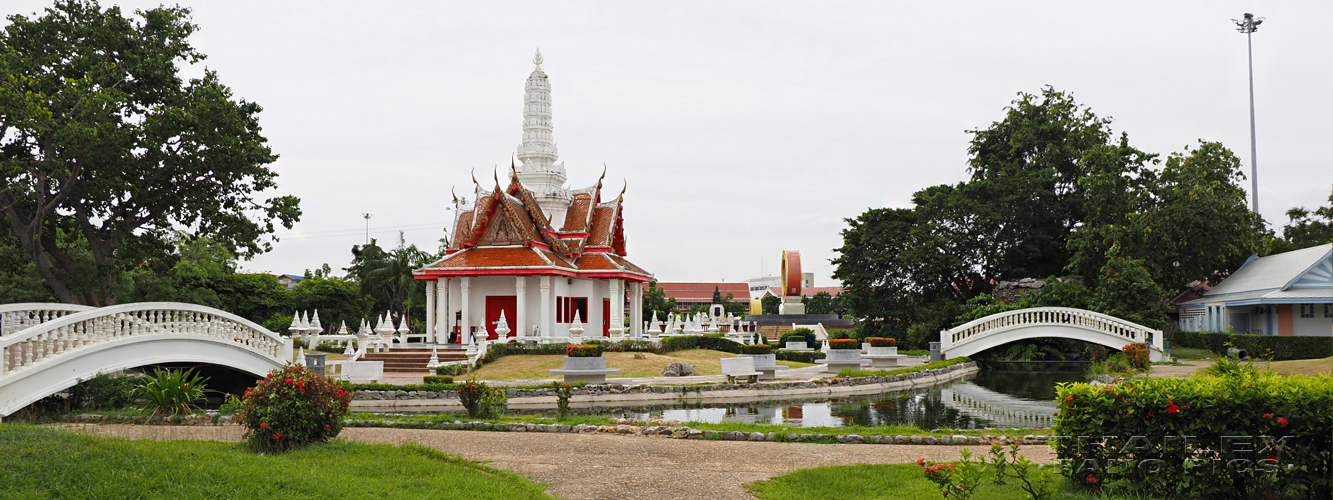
{"points": [[506, 232]]}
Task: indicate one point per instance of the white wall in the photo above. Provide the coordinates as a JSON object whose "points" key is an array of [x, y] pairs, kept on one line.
{"points": [[1316, 326]]}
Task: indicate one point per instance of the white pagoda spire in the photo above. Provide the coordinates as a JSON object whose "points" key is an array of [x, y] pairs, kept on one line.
{"points": [[539, 171]]}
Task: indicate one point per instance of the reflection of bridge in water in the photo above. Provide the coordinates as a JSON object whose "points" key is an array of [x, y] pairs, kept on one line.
{"points": [[999, 409]]}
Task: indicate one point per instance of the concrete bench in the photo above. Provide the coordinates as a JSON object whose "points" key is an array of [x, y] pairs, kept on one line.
{"points": [[734, 368], [362, 371]]}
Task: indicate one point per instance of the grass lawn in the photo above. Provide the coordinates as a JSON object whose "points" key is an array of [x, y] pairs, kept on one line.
{"points": [[48, 463], [1302, 366], [530, 366], [1191, 353], [901, 481]]}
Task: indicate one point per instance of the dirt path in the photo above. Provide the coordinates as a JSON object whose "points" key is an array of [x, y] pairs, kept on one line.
{"points": [[1179, 371], [598, 466]]}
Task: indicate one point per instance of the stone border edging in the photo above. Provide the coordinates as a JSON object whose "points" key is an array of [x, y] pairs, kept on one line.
{"points": [[646, 394], [626, 427]]}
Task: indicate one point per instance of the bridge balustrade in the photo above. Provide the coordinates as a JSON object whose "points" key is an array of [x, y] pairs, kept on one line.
{"points": [[1127, 332], [54, 331]]}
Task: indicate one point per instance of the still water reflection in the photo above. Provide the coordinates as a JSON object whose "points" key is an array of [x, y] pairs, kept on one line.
{"points": [[996, 397]]}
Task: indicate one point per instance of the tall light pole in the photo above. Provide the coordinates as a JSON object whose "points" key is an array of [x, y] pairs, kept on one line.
{"points": [[367, 217], [1248, 26]]}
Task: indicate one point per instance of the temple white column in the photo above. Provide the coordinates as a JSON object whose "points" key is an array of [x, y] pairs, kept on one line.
{"points": [[442, 314], [636, 310], [547, 321], [430, 311], [464, 284], [617, 327], [521, 314]]}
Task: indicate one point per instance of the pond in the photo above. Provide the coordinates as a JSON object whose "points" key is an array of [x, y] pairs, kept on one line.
{"points": [[999, 396]]}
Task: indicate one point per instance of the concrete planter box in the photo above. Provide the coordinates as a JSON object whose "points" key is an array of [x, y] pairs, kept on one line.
{"points": [[591, 370], [837, 359], [883, 351], [797, 346]]}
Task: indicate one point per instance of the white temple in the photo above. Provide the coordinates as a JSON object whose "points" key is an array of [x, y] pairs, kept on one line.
{"points": [[535, 255]]}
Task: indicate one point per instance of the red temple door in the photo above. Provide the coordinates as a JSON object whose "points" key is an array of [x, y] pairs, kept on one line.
{"points": [[495, 304], [606, 317]]}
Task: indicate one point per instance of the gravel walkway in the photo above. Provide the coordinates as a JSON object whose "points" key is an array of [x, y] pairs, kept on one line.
{"points": [[1179, 371], [597, 466]]}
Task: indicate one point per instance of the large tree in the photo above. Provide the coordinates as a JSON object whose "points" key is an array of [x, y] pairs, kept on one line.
{"points": [[1024, 186], [106, 152]]}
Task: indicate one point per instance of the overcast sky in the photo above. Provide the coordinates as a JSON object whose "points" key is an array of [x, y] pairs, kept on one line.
{"points": [[742, 129]]}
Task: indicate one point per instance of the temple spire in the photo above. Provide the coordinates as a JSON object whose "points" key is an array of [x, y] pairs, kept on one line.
{"points": [[538, 170]]}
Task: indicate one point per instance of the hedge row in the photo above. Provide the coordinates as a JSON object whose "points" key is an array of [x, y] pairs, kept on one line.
{"points": [[1278, 347], [799, 356], [1135, 433], [848, 372]]}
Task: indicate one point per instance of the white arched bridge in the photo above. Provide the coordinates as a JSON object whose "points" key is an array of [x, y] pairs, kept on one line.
{"points": [[1048, 322], [47, 348]]}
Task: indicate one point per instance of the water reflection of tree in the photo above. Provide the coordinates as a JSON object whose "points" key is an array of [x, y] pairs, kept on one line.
{"points": [[1038, 386], [925, 410]]}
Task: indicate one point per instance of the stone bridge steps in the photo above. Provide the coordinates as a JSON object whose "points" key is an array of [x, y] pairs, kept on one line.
{"points": [[413, 360]]}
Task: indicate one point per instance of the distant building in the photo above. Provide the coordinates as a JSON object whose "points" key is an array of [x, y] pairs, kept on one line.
{"points": [[1289, 293], [289, 280], [688, 295]]}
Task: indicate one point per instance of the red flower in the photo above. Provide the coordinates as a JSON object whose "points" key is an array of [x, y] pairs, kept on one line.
{"points": [[247, 392], [1173, 408], [299, 384], [1282, 421], [1091, 480], [921, 460], [263, 425], [302, 389], [276, 435], [1069, 398], [328, 427], [270, 375], [1268, 415], [289, 381], [948, 466]]}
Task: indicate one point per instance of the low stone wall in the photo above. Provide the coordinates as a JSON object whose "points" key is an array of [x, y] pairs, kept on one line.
{"points": [[836, 386]]}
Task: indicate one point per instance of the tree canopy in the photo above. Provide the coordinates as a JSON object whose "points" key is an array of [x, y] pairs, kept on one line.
{"points": [[106, 152], [1052, 191]]}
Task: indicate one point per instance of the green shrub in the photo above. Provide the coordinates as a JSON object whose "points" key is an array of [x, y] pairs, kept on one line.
{"points": [[481, 401], [713, 342], [293, 407], [453, 370], [1210, 411], [1274, 347], [848, 372], [329, 347], [842, 334], [563, 393], [436, 379], [1115, 364], [844, 344], [799, 356], [171, 392], [881, 342], [104, 392], [583, 351], [757, 349], [799, 335]]}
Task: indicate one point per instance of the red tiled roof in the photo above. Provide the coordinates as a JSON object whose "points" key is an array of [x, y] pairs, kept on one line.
{"points": [[595, 261], [810, 291], [703, 292], [603, 220], [576, 219], [483, 257]]}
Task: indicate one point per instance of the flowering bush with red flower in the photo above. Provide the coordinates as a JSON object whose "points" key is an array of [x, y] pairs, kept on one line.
{"points": [[882, 342], [583, 350], [1261, 409], [1137, 355], [844, 344], [293, 407]]}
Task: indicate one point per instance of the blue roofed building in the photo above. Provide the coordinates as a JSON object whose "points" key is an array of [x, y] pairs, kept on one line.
{"points": [[1289, 293]]}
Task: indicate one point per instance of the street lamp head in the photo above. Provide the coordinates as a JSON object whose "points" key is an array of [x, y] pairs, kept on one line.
{"points": [[1249, 24]]}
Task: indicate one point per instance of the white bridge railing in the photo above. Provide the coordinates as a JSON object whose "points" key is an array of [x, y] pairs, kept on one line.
{"points": [[54, 330], [17, 317], [1129, 333]]}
